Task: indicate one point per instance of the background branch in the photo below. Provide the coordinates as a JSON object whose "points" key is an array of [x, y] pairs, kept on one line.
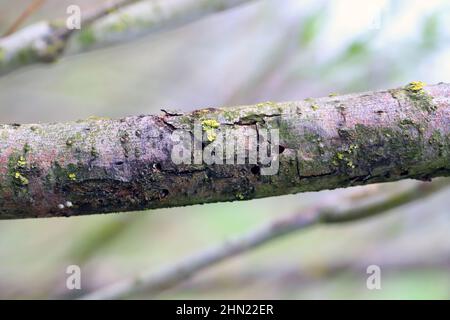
{"points": [[114, 23], [34, 5], [154, 282]]}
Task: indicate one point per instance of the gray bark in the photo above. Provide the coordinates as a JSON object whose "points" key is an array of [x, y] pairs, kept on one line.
{"points": [[103, 165]]}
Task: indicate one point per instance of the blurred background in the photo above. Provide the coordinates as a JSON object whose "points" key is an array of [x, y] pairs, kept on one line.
{"points": [[265, 50]]}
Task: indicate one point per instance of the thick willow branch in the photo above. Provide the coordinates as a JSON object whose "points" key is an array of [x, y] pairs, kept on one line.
{"points": [[102, 165], [115, 23], [154, 282]]}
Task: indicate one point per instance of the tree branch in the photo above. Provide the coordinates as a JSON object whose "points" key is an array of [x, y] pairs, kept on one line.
{"points": [[118, 22], [102, 165], [154, 282]]}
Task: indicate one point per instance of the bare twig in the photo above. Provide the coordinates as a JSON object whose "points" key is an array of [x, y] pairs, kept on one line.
{"points": [[154, 282], [312, 273], [34, 5], [114, 23]]}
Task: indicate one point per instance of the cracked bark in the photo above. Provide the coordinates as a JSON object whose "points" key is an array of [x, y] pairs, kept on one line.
{"points": [[102, 165]]}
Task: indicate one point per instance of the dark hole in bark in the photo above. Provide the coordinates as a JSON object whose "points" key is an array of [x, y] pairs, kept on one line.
{"points": [[157, 166], [255, 170], [404, 173], [164, 193], [281, 149], [119, 163]]}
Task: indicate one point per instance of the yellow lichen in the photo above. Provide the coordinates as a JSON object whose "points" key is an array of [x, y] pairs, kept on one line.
{"points": [[211, 135], [314, 107], [72, 176], [21, 162], [208, 126], [416, 86], [20, 178]]}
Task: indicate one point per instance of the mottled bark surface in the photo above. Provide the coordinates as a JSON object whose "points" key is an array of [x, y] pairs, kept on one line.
{"points": [[101, 165]]}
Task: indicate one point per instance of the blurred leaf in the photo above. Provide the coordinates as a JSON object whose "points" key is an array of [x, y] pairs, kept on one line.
{"points": [[311, 27], [430, 31]]}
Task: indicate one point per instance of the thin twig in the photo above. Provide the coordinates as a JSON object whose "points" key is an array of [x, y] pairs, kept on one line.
{"points": [[311, 274], [154, 282], [33, 7]]}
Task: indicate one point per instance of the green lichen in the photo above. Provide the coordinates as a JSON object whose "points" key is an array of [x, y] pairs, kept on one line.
{"points": [[347, 156], [17, 170], [415, 93], [53, 50], [87, 37], [122, 23], [438, 142], [94, 152], [251, 118], [239, 196], [25, 56], [314, 107], [400, 147], [230, 115], [435, 137], [407, 122], [26, 148]]}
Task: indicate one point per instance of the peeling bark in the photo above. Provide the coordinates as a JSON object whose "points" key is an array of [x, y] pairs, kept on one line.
{"points": [[102, 165]]}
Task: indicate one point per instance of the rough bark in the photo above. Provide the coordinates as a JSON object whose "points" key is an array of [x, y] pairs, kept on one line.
{"points": [[117, 22], [102, 165]]}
